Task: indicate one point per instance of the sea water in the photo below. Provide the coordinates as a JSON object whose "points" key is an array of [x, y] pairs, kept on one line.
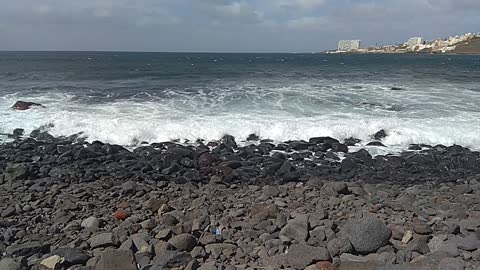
{"points": [[126, 98]]}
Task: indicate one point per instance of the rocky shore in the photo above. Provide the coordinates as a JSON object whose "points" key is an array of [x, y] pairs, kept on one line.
{"points": [[69, 204]]}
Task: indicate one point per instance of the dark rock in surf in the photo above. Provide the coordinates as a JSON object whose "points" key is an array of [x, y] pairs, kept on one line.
{"points": [[323, 140], [380, 135], [229, 140], [338, 147], [351, 141], [396, 88], [376, 144], [253, 137], [24, 105]]}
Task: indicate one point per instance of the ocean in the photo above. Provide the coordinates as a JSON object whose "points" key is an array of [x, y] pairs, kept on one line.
{"points": [[126, 98]]}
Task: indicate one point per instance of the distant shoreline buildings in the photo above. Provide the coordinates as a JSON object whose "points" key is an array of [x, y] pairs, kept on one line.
{"points": [[412, 45]]}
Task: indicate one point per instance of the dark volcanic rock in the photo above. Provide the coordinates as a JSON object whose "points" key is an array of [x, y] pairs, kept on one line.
{"points": [[116, 259], [380, 135]]}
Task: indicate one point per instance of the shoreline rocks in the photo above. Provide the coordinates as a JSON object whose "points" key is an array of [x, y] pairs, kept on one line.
{"points": [[68, 204]]}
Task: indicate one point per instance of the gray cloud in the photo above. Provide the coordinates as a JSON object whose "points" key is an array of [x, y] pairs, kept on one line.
{"points": [[226, 25]]}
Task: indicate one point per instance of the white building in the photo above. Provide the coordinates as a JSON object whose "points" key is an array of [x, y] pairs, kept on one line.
{"points": [[349, 45], [414, 41]]}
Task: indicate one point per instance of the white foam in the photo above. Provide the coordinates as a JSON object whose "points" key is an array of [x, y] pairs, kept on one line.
{"points": [[279, 113]]}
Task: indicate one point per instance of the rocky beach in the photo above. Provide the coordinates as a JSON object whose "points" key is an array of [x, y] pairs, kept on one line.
{"points": [[70, 204]]}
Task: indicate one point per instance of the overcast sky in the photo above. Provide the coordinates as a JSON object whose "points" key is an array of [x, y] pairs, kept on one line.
{"points": [[226, 25]]}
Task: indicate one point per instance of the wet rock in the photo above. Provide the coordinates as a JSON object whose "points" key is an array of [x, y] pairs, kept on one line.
{"points": [[380, 135], [253, 137], [25, 105], [367, 235]]}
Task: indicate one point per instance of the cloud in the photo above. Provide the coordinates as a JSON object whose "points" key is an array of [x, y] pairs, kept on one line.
{"points": [[227, 25], [309, 23], [300, 4]]}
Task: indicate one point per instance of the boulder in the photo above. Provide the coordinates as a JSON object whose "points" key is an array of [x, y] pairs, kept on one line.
{"points": [[367, 234]]}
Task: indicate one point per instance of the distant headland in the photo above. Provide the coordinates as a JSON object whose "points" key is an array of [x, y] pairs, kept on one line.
{"points": [[464, 44]]}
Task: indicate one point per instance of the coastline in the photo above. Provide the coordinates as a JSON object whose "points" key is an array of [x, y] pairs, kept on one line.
{"points": [[299, 205]]}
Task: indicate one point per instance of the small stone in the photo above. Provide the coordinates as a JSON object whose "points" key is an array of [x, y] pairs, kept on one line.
{"points": [[164, 234], [53, 262], [407, 237], [121, 214], [91, 223], [421, 227], [325, 266]]}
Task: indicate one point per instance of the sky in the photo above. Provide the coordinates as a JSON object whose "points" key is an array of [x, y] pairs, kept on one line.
{"points": [[227, 25]]}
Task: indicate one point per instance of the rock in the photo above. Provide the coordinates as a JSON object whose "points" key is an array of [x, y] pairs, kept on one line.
{"points": [[72, 255], [101, 240], [380, 135], [324, 266], [476, 255], [470, 223], [27, 249], [18, 132], [25, 105], [468, 243], [112, 259], [172, 258], [261, 212], [421, 227], [10, 264], [53, 262], [338, 246], [334, 188], [451, 264], [253, 137], [10, 211], [338, 147], [296, 229], [184, 242], [121, 214], [407, 236], [217, 249], [361, 266], [419, 245], [140, 241], [229, 140], [91, 223], [375, 143], [367, 235], [300, 256], [15, 172]]}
